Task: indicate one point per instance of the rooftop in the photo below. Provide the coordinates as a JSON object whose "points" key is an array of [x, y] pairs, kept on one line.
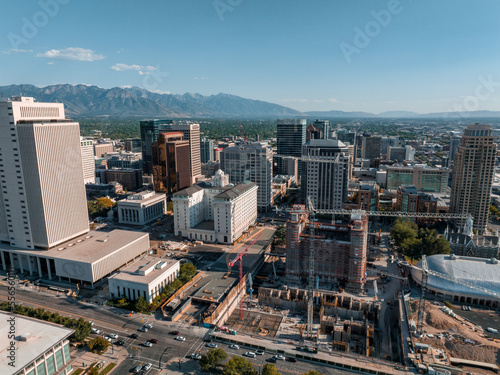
{"points": [[42, 337], [145, 270], [236, 191]]}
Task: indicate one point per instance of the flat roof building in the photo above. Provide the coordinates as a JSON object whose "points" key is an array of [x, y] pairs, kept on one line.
{"points": [[142, 208], [145, 277], [426, 179], [88, 161], [40, 347]]}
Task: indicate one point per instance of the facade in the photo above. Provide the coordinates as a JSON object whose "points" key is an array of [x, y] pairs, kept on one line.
{"points": [[207, 150], [473, 175], [470, 245], [146, 277], [217, 212], [129, 160], [454, 143], [340, 249], [325, 172], [291, 135], [191, 134], [320, 129], [149, 135], [34, 178], [133, 145], [88, 162], [209, 169], [41, 347], [171, 171], [387, 142], [371, 146], [142, 208], [101, 149], [426, 179], [130, 179], [251, 162], [409, 199]]}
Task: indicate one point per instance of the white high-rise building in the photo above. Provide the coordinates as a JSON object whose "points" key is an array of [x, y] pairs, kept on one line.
{"points": [[88, 161], [42, 190], [192, 134]]}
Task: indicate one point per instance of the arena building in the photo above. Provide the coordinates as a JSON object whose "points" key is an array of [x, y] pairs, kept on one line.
{"points": [[483, 274]]}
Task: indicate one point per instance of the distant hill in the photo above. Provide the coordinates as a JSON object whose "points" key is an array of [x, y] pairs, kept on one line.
{"points": [[334, 113], [90, 101]]}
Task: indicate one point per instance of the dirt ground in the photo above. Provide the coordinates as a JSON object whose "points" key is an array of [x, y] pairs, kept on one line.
{"points": [[462, 339]]}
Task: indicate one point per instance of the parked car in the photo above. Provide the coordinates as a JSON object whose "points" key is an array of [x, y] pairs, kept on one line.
{"points": [[143, 329], [154, 341], [212, 345], [138, 369], [134, 336], [279, 357], [147, 366], [96, 331], [107, 338], [120, 342], [180, 338], [148, 344], [259, 352], [291, 359], [113, 335], [148, 326], [174, 333], [234, 346], [250, 354], [196, 356]]}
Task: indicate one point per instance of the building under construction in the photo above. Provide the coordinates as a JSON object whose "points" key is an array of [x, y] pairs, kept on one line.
{"points": [[339, 249]]}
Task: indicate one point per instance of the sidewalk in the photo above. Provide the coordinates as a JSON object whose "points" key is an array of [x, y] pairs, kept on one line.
{"points": [[83, 358]]}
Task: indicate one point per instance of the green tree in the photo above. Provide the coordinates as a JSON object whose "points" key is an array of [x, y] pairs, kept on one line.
{"points": [[280, 235], [213, 359], [141, 304], [170, 206], [270, 369], [99, 207], [239, 366], [312, 372], [98, 345], [187, 271]]}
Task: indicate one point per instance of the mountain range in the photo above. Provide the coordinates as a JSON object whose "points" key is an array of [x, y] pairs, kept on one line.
{"points": [[93, 101]]}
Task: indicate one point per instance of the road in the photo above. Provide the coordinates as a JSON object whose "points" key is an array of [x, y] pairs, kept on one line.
{"points": [[112, 320]]}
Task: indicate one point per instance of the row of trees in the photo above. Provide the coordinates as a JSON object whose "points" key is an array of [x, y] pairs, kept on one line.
{"points": [[186, 273], [82, 328], [215, 358], [414, 242]]}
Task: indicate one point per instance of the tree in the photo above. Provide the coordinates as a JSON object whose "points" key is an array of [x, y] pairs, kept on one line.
{"points": [[239, 366], [170, 206], [187, 271], [270, 369], [312, 372], [213, 359], [100, 207], [280, 235], [98, 345], [141, 304]]}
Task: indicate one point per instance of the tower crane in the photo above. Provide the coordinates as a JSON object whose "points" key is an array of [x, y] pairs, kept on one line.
{"points": [[243, 133]]}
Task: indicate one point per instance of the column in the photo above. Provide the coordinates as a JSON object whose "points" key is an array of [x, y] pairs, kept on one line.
{"points": [[29, 265], [48, 268], [20, 256], [4, 265], [11, 257], [142, 220], [39, 267]]}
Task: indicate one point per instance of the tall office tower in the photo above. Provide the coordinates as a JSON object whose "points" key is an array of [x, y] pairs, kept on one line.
{"points": [[473, 175], [191, 133], [149, 135], [387, 142], [133, 145], [251, 162], [207, 153], [371, 147], [88, 161], [170, 168], [325, 172], [42, 195], [319, 129], [454, 142], [291, 135]]}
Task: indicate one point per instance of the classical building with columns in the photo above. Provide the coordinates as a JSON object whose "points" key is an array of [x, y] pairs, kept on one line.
{"points": [[41, 347], [142, 208]]}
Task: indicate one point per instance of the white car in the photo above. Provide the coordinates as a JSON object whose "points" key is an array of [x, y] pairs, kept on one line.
{"points": [[279, 357], [107, 338], [113, 335], [91, 322], [148, 326], [143, 329], [250, 354], [212, 345], [180, 338], [147, 366], [138, 369], [96, 331], [148, 344], [234, 346], [196, 356]]}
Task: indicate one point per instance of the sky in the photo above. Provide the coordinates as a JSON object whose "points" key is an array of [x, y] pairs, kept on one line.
{"points": [[423, 56]]}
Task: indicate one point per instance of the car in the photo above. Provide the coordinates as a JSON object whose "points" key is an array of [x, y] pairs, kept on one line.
{"points": [[196, 356], [234, 346], [138, 369], [154, 341], [212, 345], [96, 331], [147, 366], [147, 344], [291, 359], [107, 338], [180, 338], [120, 343], [174, 333], [113, 335], [279, 357], [143, 329], [148, 326], [259, 352], [250, 354], [91, 322], [134, 336], [272, 360]]}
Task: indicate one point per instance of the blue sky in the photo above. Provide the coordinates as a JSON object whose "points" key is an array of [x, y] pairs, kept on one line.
{"points": [[423, 56]]}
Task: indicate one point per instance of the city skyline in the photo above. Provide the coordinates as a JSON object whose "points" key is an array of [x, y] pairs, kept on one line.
{"points": [[374, 57]]}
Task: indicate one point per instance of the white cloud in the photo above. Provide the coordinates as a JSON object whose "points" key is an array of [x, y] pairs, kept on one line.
{"points": [[296, 100], [72, 53], [50, 63], [140, 68], [126, 86], [160, 92], [15, 50], [333, 100]]}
